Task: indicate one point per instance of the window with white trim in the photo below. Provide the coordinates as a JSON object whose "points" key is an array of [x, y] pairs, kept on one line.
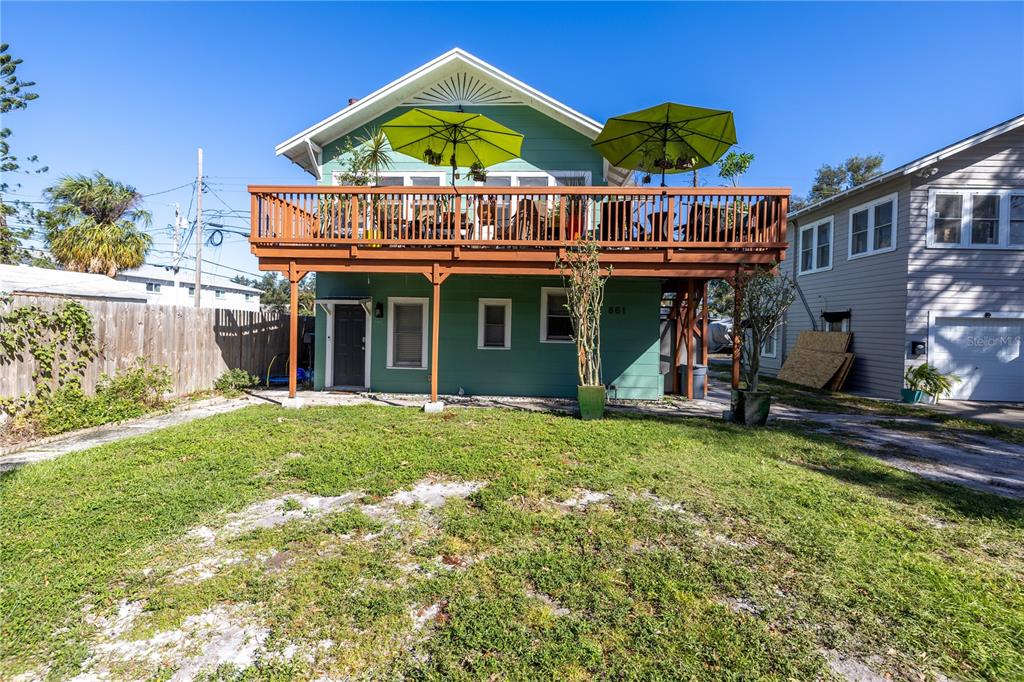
{"points": [[407, 337], [816, 246], [494, 324], [976, 218], [218, 293], [770, 346], [537, 179], [403, 178], [873, 227], [555, 323], [153, 286]]}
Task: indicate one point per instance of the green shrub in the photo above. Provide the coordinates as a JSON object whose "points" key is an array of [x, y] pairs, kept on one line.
{"points": [[234, 380], [130, 394]]}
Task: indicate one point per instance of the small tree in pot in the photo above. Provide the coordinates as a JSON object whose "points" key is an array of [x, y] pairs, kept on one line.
{"points": [[584, 288], [764, 299]]}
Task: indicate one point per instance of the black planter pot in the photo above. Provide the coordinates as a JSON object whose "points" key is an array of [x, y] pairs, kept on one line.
{"points": [[750, 408]]}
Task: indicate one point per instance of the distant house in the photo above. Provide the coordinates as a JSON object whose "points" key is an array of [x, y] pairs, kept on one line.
{"points": [[164, 286], [25, 279], [924, 263]]}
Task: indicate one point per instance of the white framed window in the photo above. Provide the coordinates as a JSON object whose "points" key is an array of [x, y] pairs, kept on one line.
{"points": [[536, 179], [815, 250], [555, 323], [976, 218], [770, 346], [153, 286], [425, 178], [407, 333], [494, 324], [218, 293], [873, 227], [191, 291], [250, 297]]}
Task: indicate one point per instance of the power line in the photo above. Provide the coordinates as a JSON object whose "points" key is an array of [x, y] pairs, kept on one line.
{"points": [[165, 191]]}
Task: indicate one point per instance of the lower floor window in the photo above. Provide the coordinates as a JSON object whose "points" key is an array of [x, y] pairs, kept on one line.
{"points": [[555, 323], [494, 324], [769, 347], [406, 333]]}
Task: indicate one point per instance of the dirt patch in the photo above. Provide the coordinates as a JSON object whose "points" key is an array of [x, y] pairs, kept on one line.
{"points": [[235, 636]]}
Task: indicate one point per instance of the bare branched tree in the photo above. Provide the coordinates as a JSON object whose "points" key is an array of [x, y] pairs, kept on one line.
{"points": [[584, 288], [763, 303]]}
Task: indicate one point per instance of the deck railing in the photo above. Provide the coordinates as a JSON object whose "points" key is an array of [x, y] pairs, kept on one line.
{"points": [[534, 217]]}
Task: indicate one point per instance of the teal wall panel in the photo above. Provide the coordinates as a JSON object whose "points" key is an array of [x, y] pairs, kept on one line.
{"points": [[547, 145], [630, 347]]}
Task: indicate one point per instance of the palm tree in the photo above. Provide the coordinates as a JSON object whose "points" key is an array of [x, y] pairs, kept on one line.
{"points": [[374, 153], [91, 225]]}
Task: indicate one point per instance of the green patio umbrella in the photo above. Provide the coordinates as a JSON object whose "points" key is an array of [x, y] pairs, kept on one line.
{"points": [[668, 138], [454, 138]]}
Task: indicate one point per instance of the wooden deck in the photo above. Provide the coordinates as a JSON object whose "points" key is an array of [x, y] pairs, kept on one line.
{"points": [[686, 236], [701, 232]]}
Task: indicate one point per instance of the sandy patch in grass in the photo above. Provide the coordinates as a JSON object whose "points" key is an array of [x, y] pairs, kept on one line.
{"points": [[229, 635], [235, 635]]}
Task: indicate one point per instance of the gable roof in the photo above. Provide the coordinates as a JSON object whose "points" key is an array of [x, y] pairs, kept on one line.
{"points": [[454, 78], [917, 164]]}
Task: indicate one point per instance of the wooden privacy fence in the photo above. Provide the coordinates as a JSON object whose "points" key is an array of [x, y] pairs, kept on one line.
{"points": [[195, 344]]}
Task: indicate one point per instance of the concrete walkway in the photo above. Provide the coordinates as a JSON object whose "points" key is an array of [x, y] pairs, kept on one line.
{"points": [[109, 433]]}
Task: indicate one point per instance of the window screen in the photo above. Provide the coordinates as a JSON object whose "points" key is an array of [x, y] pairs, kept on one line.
{"points": [[985, 219], [494, 325], [948, 213], [559, 324], [407, 335]]}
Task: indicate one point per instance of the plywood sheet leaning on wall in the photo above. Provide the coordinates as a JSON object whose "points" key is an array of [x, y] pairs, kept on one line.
{"points": [[819, 359]]}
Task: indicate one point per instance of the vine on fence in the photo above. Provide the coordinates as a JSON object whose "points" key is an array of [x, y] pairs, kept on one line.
{"points": [[61, 342]]}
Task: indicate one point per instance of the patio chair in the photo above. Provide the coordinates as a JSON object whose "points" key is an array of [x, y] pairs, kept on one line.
{"points": [[529, 222], [617, 221], [704, 222], [491, 217]]}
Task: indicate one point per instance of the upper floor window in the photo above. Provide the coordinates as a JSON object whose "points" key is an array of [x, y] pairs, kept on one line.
{"points": [[153, 286], [218, 293], [976, 218], [873, 227], [250, 297], [816, 246]]}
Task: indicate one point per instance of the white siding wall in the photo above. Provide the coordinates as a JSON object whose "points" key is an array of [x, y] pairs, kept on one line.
{"points": [[873, 287], [959, 281]]}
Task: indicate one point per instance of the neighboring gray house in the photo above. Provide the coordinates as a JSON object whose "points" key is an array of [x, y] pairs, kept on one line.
{"points": [[924, 263]]}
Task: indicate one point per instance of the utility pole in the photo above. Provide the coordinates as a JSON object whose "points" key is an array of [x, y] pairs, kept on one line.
{"points": [[177, 253], [199, 229]]}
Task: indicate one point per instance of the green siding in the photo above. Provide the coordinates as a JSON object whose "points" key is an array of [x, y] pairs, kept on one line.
{"points": [[547, 145], [530, 368]]}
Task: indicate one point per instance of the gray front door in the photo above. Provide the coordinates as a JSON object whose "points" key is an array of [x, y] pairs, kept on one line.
{"points": [[349, 345]]}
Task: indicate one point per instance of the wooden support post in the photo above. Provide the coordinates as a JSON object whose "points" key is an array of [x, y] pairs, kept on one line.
{"points": [[293, 331], [436, 277], [737, 329], [705, 330], [677, 337], [691, 312]]}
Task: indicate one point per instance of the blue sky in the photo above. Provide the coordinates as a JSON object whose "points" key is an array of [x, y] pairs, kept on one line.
{"points": [[133, 89]]}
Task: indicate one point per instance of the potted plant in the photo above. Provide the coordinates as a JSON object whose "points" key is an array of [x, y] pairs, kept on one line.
{"points": [[584, 288], [926, 379], [477, 172], [764, 299], [575, 216]]}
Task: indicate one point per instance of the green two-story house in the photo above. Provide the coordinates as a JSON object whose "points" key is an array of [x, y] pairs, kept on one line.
{"points": [[431, 284]]}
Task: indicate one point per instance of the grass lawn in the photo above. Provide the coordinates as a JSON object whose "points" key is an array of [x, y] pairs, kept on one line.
{"points": [[712, 551]]}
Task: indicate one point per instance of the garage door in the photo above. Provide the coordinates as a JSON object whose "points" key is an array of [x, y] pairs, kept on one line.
{"points": [[984, 352]]}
